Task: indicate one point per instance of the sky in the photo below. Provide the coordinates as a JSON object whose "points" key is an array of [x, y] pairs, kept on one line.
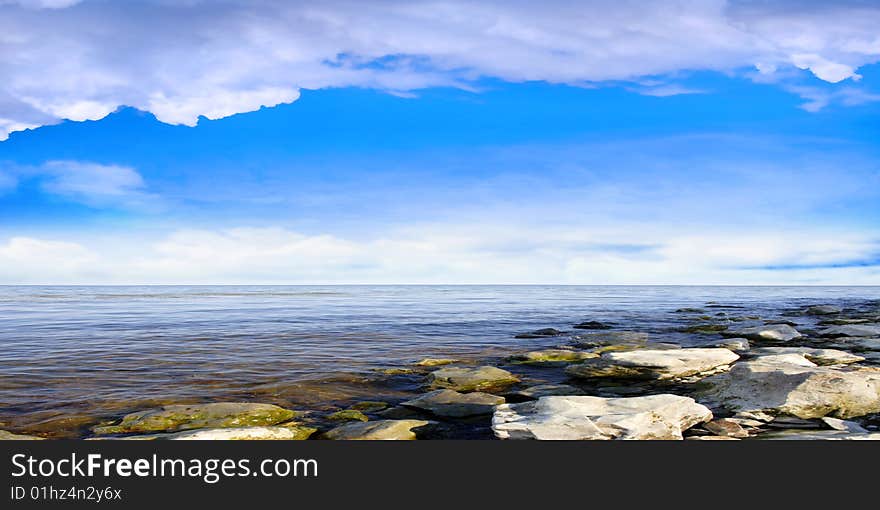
{"points": [[262, 142]]}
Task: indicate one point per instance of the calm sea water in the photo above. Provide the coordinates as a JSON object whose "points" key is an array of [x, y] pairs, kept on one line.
{"points": [[72, 355]]}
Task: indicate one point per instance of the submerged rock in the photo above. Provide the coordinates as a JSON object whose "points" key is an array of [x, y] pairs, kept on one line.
{"points": [[584, 417], [823, 310], [400, 430], [705, 329], [454, 404], [690, 310], [654, 364], [773, 332], [436, 362], [553, 355], [471, 379], [843, 322], [369, 406], [540, 333], [855, 330], [608, 338], [9, 436], [817, 356], [185, 417], [592, 325], [348, 415], [791, 384]]}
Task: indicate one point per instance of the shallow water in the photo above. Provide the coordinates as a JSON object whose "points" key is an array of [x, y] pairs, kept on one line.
{"points": [[72, 356]]}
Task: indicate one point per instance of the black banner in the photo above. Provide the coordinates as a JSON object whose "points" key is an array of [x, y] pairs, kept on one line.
{"points": [[80, 474]]}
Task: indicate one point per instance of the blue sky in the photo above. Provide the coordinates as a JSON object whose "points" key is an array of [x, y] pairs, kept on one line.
{"points": [[710, 143]]}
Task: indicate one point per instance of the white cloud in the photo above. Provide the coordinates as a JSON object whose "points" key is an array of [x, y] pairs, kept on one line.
{"points": [[445, 253], [180, 60], [817, 99]]}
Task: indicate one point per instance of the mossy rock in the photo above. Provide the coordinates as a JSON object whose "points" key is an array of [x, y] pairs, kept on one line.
{"points": [[369, 406], [552, 356], [348, 415], [173, 418], [395, 371], [436, 362], [705, 329]]}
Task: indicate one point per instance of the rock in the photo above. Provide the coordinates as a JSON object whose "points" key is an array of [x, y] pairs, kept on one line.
{"points": [[544, 390], [592, 325], [610, 338], [791, 384], [780, 321], [734, 344], [471, 379], [854, 330], [838, 424], [9, 436], [369, 406], [793, 422], [817, 356], [843, 322], [823, 310], [726, 427], [553, 355], [774, 332], [243, 434], [186, 417], [436, 362], [584, 417], [540, 333], [348, 415], [690, 310], [395, 371], [653, 364], [454, 404], [863, 344], [377, 430], [712, 438], [705, 329]]}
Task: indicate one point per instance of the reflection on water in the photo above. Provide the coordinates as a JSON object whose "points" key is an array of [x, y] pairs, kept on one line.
{"points": [[70, 356]]}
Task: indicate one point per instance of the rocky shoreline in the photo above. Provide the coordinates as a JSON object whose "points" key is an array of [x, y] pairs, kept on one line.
{"points": [[809, 373]]}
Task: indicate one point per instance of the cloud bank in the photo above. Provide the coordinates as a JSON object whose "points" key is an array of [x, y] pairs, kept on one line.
{"points": [[64, 59]]}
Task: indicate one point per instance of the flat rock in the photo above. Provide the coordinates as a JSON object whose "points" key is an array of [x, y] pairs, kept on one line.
{"points": [[545, 390], [471, 379], [540, 333], [454, 404], [400, 430], [9, 436], [772, 332], [653, 364], [436, 362], [553, 355], [348, 415], [244, 434], [726, 427], [734, 344], [592, 325], [196, 416], [823, 310], [585, 417], [820, 435], [369, 406], [610, 338], [817, 356], [791, 384], [838, 424], [851, 330]]}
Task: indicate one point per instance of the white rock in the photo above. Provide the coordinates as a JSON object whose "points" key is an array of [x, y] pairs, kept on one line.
{"points": [[238, 434], [838, 424], [791, 384], [773, 332], [654, 364], [584, 417], [817, 356], [856, 330]]}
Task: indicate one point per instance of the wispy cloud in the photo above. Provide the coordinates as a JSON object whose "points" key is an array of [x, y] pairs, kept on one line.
{"points": [[818, 99]]}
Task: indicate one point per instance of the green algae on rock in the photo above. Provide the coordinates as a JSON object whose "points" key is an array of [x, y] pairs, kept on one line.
{"points": [[552, 356], [186, 417], [471, 379], [348, 415]]}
